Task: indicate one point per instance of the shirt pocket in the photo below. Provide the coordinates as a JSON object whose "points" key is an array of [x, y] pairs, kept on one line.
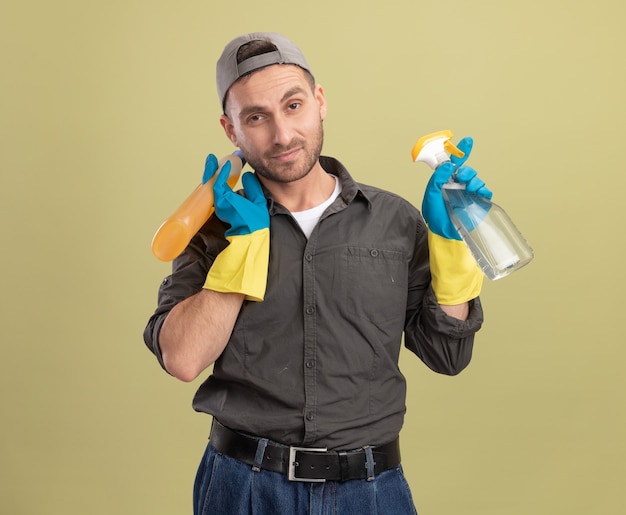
{"points": [[377, 283]]}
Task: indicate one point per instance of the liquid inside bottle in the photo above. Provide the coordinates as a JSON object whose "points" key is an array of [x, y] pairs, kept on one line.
{"points": [[493, 239]]}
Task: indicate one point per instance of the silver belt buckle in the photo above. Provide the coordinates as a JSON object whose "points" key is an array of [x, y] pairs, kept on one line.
{"points": [[293, 464]]}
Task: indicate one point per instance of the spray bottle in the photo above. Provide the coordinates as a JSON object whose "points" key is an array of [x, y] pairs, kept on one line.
{"points": [[493, 239], [175, 233]]}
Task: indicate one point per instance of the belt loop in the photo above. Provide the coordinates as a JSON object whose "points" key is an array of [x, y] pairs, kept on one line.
{"points": [[260, 454], [344, 465], [369, 462]]}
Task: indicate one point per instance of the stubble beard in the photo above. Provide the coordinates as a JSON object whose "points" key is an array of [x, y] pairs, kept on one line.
{"points": [[290, 172]]}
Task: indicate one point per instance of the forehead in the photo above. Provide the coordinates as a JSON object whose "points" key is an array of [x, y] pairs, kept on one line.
{"points": [[267, 86]]}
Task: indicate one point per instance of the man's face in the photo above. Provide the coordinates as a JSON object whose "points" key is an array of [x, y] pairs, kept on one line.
{"points": [[275, 118]]}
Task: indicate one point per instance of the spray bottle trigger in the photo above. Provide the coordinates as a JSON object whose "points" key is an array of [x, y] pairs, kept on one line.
{"points": [[450, 148]]}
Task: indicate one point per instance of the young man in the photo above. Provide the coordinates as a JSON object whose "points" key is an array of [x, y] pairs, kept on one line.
{"points": [[299, 291]]}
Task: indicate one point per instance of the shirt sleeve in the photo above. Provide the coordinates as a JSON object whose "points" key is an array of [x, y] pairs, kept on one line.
{"points": [[442, 342], [189, 271]]}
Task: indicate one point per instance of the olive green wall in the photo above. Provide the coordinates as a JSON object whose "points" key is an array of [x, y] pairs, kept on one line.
{"points": [[108, 110]]}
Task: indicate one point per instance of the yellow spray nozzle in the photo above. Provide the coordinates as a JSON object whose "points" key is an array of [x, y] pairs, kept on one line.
{"points": [[450, 148]]}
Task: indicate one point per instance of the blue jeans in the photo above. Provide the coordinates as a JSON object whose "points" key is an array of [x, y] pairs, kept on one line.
{"points": [[225, 486]]}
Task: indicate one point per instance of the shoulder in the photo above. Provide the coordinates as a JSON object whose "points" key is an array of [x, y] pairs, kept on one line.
{"points": [[376, 197], [380, 195]]}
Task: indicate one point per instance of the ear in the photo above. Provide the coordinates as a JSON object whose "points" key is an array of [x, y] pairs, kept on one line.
{"points": [[321, 100], [229, 129]]}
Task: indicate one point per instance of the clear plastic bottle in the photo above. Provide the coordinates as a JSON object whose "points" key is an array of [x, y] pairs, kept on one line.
{"points": [[493, 239]]}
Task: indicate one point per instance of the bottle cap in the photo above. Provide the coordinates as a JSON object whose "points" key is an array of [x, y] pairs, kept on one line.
{"points": [[434, 149]]}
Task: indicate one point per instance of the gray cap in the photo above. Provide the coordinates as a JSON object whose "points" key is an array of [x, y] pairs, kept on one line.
{"points": [[228, 71]]}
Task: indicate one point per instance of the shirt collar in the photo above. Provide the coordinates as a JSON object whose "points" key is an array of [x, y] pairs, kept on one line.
{"points": [[350, 189]]}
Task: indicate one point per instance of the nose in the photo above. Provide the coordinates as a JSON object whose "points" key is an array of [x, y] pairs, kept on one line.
{"points": [[283, 133]]}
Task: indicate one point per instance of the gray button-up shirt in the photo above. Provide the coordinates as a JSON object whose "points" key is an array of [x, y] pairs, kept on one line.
{"points": [[316, 363]]}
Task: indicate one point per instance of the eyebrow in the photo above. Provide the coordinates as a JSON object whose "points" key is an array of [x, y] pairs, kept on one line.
{"points": [[256, 108]]}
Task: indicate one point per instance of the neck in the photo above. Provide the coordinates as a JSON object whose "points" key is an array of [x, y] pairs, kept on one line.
{"points": [[305, 193]]}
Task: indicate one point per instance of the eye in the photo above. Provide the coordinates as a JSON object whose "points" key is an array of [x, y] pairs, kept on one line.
{"points": [[255, 118], [294, 105]]}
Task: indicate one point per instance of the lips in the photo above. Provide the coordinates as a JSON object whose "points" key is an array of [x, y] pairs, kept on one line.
{"points": [[288, 155]]}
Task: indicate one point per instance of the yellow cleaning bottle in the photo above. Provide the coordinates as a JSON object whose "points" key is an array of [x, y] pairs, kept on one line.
{"points": [[493, 239], [175, 233]]}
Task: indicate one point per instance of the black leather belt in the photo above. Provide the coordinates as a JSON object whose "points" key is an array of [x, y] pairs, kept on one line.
{"points": [[302, 463]]}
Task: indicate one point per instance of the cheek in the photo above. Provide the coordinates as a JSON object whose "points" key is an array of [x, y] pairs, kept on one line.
{"points": [[252, 143], [310, 124], [239, 137]]}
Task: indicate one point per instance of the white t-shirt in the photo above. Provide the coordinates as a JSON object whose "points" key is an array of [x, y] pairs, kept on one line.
{"points": [[308, 219]]}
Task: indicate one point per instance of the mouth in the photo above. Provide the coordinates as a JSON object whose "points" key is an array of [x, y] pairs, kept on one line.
{"points": [[287, 156]]}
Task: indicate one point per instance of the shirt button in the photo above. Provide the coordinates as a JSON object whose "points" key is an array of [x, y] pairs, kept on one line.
{"points": [[374, 252], [310, 310], [308, 257], [310, 363], [310, 416]]}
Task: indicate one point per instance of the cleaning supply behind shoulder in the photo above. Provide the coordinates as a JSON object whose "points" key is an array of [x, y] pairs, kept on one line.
{"points": [[176, 232], [493, 239]]}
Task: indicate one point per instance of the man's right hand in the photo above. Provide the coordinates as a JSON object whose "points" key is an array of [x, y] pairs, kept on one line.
{"points": [[242, 266]]}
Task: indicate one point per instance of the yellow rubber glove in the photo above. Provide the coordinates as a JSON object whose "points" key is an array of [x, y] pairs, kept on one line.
{"points": [[456, 277], [242, 266]]}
